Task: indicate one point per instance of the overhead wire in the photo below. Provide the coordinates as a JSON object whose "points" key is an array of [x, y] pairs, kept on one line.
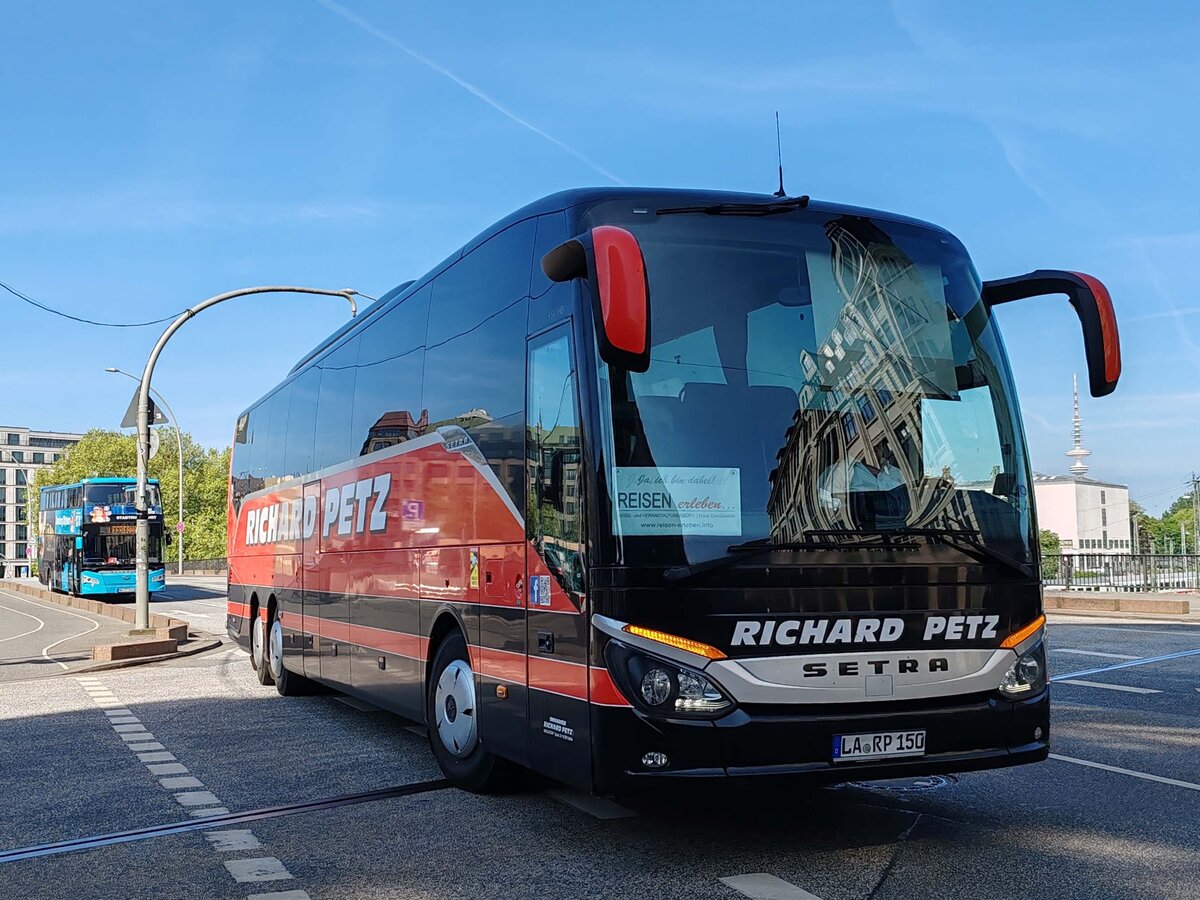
{"points": [[58, 312]]}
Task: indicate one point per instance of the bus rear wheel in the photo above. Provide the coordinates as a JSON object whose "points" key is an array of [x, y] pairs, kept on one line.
{"points": [[289, 684], [452, 714], [258, 649]]}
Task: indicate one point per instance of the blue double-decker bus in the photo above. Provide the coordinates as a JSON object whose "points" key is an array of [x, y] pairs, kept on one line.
{"points": [[89, 533]]}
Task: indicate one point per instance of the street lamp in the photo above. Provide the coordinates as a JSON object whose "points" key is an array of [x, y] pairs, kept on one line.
{"points": [[142, 613], [178, 441]]}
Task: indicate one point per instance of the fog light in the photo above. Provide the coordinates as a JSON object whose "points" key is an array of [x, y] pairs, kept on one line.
{"points": [[654, 760], [1037, 733], [656, 687]]}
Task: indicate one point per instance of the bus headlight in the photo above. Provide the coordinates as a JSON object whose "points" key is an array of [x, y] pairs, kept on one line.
{"points": [[1026, 676], [662, 688]]}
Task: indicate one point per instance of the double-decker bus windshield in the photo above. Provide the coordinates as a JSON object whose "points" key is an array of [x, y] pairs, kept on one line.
{"points": [[815, 379], [120, 494]]}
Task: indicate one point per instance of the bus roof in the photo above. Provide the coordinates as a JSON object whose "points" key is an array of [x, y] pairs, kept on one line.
{"points": [[106, 480], [568, 199]]}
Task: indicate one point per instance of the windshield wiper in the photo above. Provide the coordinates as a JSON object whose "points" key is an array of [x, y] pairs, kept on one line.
{"points": [[770, 208], [964, 540], [747, 550]]}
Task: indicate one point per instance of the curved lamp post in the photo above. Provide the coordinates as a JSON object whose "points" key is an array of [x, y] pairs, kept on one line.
{"points": [[178, 440], [142, 614]]}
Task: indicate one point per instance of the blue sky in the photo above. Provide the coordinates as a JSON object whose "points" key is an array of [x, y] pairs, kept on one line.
{"points": [[154, 154]]}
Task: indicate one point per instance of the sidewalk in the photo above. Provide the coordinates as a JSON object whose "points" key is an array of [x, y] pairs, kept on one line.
{"points": [[1163, 604]]}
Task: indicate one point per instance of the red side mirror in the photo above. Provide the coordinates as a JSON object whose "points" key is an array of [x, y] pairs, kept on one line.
{"points": [[1102, 343], [621, 297]]}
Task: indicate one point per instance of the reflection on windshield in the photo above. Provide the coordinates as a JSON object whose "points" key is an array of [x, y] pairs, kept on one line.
{"points": [[121, 494], [812, 375]]}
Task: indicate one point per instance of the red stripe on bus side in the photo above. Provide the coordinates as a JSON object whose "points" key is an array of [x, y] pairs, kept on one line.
{"points": [[604, 690]]}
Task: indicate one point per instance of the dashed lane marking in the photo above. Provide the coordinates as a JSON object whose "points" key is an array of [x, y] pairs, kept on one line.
{"points": [[1109, 687], [1093, 653], [265, 868], [167, 768], [281, 895], [209, 812], [761, 886], [92, 623], [233, 839], [158, 756], [177, 782], [1146, 775], [141, 749], [197, 798]]}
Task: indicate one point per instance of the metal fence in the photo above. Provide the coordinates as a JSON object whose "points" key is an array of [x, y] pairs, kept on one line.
{"points": [[203, 566], [1135, 572]]}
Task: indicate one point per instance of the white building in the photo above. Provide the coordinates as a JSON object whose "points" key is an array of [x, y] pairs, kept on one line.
{"points": [[1089, 516], [22, 452]]}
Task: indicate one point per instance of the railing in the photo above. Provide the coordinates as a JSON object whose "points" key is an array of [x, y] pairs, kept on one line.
{"points": [[1135, 572], [217, 566]]}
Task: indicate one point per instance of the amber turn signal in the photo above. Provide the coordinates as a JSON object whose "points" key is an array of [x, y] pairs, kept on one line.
{"points": [[679, 643], [1021, 634]]}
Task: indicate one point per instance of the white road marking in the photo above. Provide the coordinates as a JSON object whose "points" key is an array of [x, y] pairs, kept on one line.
{"points": [[126, 728], [208, 811], [148, 747], [197, 798], [142, 735], [599, 807], [167, 769], [118, 712], [124, 720], [281, 895], [161, 756], [13, 637], [233, 839], [1093, 653], [266, 868], [94, 623], [181, 781], [1146, 775], [1111, 687], [761, 886]]}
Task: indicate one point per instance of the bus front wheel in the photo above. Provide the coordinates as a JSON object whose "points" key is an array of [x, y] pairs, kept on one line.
{"points": [[289, 684], [452, 714]]}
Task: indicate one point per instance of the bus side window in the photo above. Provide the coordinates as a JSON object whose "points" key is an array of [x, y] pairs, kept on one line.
{"points": [[554, 516]]}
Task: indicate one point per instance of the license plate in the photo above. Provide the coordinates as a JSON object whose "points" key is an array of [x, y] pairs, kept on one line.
{"points": [[122, 590], [880, 745]]}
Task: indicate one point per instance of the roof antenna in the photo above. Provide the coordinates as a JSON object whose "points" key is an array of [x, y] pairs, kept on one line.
{"points": [[779, 152]]}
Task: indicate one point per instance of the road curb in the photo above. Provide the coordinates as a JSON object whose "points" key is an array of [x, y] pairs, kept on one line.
{"points": [[193, 648], [1114, 603]]}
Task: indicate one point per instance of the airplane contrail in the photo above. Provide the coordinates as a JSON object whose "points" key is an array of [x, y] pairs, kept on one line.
{"points": [[366, 26]]}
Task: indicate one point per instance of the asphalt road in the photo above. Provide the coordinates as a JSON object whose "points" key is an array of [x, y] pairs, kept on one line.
{"points": [[1116, 813]]}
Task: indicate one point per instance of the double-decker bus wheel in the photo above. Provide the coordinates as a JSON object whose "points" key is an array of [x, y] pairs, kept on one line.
{"points": [[453, 716]]}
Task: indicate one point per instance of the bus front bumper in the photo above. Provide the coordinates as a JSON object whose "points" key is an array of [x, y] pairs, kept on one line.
{"points": [[963, 734]]}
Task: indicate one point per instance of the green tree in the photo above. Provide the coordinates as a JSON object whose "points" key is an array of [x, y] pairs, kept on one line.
{"points": [[1051, 545], [114, 454]]}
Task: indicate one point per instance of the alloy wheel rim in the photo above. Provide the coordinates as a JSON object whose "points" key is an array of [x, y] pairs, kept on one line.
{"points": [[454, 709]]}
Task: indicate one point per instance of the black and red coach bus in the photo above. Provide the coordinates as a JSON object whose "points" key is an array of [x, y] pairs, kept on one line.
{"points": [[646, 484]]}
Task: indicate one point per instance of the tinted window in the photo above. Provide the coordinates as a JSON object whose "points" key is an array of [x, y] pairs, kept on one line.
{"points": [[302, 423], [335, 405], [387, 392], [489, 279], [475, 367], [276, 445], [549, 302]]}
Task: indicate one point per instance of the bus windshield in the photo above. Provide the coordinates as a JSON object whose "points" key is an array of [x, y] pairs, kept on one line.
{"points": [[120, 494], [814, 378], [117, 546]]}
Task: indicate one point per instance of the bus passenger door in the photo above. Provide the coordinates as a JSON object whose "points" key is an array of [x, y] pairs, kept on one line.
{"points": [[310, 582], [559, 715]]}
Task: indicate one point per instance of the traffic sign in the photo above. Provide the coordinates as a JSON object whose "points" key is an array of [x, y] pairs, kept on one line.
{"points": [[179, 527], [130, 420]]}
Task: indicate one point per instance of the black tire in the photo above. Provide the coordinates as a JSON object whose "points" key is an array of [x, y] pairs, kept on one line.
{"points": [[459, 753], [289, 684]]}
